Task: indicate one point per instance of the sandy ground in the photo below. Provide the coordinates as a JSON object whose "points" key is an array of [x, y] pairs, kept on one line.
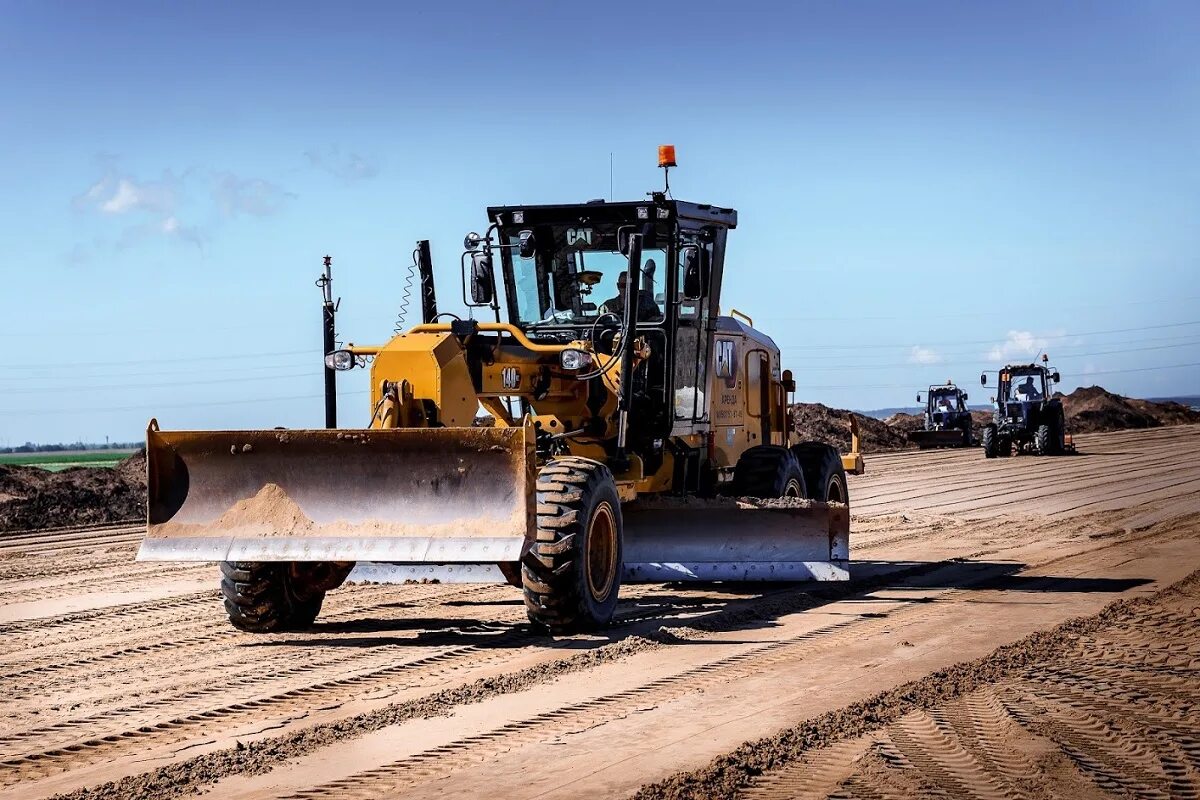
{"points": [[1015, 627]]}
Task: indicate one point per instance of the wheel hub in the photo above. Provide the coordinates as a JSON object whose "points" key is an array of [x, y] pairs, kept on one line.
{"points": [[601, 552]]}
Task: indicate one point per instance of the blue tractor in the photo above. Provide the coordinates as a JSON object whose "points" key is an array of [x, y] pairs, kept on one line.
{"points": [[947, 419], [1028, 417]]}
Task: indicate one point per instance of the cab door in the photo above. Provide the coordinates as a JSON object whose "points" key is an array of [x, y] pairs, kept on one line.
{"points": [[691, 400]]}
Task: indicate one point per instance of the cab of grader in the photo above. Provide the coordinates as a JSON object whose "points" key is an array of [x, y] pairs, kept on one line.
{"points": [[636, 435]]}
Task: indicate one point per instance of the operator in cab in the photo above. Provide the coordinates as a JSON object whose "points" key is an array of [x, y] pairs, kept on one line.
{"points": [[1027, 390], [647, 309]]}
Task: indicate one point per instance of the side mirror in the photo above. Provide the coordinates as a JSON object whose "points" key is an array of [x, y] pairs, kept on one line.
{"points": [[649, 236], [964, 397], [789, 383], [918, 398], [483, 288], [623, 234], [983, 379], [695, 272], [472, 240], [1056, 377], [528, 245]]}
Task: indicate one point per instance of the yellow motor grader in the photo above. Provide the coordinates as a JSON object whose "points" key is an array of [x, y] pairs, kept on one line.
{"points": [[636, 434]]}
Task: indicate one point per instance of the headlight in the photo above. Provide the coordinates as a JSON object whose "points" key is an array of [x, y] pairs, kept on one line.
{"points": [[341, 360], [575, 359]]}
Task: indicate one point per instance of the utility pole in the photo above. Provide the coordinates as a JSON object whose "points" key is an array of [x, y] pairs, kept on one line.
{"points": [[328, 310]]}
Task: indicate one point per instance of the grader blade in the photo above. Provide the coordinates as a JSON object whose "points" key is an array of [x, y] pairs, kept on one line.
{"points": [[437, 495], [728, 539], [951, 437]]}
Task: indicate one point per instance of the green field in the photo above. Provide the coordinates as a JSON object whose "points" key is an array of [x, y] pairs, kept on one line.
{"points": [[67, 458]]}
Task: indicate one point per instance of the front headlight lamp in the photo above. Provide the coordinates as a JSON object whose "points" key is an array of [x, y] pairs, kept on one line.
{"points": [[340, 360], [575, 359]]}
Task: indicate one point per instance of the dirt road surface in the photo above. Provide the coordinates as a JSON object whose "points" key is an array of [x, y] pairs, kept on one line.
{"points": [[1015, 627]]}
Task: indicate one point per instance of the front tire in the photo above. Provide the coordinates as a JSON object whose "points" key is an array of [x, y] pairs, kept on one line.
{"points": [[571, 576], [769, 471], [990, 441], [1043, 440], [269, 597]]}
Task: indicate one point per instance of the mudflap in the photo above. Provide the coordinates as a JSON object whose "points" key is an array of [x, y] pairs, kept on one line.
{"points": [[444, 496], [735, 539]]}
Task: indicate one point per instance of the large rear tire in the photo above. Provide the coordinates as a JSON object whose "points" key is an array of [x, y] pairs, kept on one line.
{"points": [[770, 471], [571, 575], [824, 475], [990, 441], [269, 597]]}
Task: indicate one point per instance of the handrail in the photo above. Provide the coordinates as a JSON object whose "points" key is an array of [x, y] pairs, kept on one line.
{"points": [[495, 327], [733, 312], [761, 378]]}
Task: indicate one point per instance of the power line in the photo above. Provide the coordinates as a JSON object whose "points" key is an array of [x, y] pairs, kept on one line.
{"points": [[893, 345], [232, 355], [1193, 338], [172, 385], [156, 408], [976, 362], [920, 315], [803, 386]]}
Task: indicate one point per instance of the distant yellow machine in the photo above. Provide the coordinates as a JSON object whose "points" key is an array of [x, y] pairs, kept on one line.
{"points": [[637, 435]]}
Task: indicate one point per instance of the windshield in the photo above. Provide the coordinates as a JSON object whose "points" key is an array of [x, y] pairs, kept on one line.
{"points": [[577, 274], [1026, 385], [946, 400]]}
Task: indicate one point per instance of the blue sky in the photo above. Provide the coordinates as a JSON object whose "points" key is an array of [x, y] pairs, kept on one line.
{"points": [[924, 189]]}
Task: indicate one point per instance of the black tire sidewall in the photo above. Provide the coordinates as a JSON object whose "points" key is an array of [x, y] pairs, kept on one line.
{"points": [[1042, 440], [764, 471], [595, 613], [991, 444], [822, 467]]}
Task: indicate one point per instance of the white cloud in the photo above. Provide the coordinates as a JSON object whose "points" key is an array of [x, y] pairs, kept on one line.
{"points": [[253, 196], [923, 355], [1023, 345], [123, 194], [135, 210], [1019, 344], [140, 210], [347, 167]]}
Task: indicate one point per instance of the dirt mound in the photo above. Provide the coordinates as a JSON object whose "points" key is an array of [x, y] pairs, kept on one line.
{"points": [[832, 426], [905, 423], [1092, 408], [32, 498], [981, 418]]}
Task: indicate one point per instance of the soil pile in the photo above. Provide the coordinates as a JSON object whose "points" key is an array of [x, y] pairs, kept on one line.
{"points": [[832, 425], [905, 423], [32, 498], [1092, 408]]}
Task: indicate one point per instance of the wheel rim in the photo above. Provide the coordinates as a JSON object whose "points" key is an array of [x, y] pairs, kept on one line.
{"points": [[833, 492], [793, 489], [602, 552]]}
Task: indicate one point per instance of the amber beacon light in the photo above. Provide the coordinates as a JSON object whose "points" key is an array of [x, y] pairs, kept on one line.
{"points": [[666, 155]]}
